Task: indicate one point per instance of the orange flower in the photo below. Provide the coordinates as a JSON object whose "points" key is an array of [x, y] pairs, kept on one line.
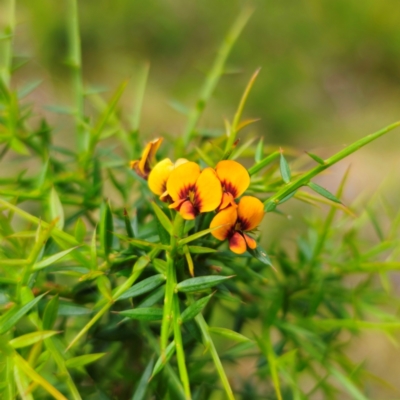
{"points": [[234, 180], [236, 221], [194, 191], [159, 175], [143, 166]]}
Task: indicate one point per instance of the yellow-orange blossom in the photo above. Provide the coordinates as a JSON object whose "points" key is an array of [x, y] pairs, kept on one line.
{"points": [[193, 191], [234, 179], [236, 221], [143, 166]]}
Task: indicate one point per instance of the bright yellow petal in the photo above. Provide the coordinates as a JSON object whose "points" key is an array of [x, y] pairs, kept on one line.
{"points": [[227, 218], [143, 162], [180, 161], [148, 155], [154, 145], [250, 212], [208, 191], [159, 175], [237, 244], [233, 176], [143, 166], [182, 178]]}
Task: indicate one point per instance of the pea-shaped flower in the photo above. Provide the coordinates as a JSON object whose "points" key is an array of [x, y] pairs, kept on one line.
{"points": [[236, 221], [234, 180], [143, 166], [194, 191], [159, 175]]}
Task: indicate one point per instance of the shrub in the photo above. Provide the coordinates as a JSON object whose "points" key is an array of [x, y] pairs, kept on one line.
{"points": [[108, 291]]}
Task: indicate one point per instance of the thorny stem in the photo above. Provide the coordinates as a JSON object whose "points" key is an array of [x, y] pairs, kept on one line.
{"points": [[236, 119], [303, 180], [215, 73]]}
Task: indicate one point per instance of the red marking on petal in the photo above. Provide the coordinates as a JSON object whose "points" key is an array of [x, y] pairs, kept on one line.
{"points": [[230, 188], [237, 244], [187, 210]]}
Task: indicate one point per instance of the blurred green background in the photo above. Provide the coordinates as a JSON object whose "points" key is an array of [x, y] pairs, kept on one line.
{"points": [[330, 69], [330, 75]]}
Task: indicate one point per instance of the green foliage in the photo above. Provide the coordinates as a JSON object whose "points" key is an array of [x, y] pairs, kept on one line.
{"points": [[105, 293]]}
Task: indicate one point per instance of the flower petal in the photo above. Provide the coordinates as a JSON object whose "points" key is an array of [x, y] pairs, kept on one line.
{"points": [[227, 200], [154, 145], [208, 191], [182, 179], [148, 155], [250, 241], [180, 161], [227, 218], [233, 176], [177, 204], [159, 175], [187, 210], [237, 243], [133, 164], [143, 166], [250, 212], [165, 197]]}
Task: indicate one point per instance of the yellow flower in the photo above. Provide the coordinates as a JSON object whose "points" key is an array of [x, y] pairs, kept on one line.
{"points": [[143, 166], [234, 180], [159, 175], [236, 221], [193, 191]]}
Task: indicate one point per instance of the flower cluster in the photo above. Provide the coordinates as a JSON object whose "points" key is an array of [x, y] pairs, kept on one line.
{"points": [[191, 191]]}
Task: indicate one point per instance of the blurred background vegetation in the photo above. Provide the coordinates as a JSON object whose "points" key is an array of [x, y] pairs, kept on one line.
{"points": [[330, 70], [330, 74]]}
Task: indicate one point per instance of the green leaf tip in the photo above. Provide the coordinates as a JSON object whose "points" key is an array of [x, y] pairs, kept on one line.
{"points": [[323, 192], [284, 168]]}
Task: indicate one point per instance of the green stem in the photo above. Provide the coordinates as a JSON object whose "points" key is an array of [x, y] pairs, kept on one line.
{"points": [[305, 178], [6, 43], [180, 352], [138, 268], [167, 311], [140, 91], [171, 307], [236, 119], [169, 370], [264, 162], [75, 62], [271, 357], [60, 361], [328, 222], [32, 258], [215, 73], [208, 342], [10, 388]]}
